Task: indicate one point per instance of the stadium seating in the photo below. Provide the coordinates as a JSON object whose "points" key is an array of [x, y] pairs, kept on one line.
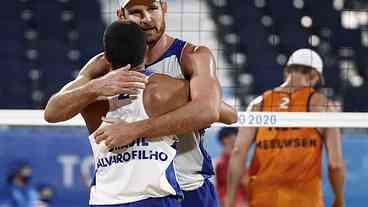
{"points": [[42, 48], [269, 31]]}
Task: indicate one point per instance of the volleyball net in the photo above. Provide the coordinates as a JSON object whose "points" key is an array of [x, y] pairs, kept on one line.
{"points": [[245, 119]]}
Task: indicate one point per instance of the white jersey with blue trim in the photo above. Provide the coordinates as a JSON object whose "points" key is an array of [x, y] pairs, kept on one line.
{"points": [[192, 164], [143, 169]]}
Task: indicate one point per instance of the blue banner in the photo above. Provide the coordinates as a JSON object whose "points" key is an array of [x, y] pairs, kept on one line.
{"points": [[62, 158]]}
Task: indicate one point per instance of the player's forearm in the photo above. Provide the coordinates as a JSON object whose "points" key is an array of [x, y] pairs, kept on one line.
{"points": [[235, 172], [67, 104], [228, 114], [191, 117], [337, 179]]}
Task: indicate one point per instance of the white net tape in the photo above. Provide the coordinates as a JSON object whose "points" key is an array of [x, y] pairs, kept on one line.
{"points": [[246, 119]]}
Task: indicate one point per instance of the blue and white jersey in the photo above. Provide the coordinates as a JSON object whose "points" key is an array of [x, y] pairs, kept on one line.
{"points": [[192, 163], [141, 170]]}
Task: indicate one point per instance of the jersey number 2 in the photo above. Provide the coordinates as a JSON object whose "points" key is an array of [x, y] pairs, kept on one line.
{"points": [[284, 103]]}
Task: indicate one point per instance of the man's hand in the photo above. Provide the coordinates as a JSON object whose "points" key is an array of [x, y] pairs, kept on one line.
{"points": [[244, 181], [120, 81], [95, 80], [118, 133]]}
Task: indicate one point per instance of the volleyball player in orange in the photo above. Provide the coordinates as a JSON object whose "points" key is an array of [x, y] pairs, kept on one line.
{"points": [[285, 170]]}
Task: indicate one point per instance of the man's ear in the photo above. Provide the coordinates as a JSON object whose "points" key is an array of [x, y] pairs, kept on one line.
{"points": [[107, 60], [316, 78], [120, 13], [164, 6]]}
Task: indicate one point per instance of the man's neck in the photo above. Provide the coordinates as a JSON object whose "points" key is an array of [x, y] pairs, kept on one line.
{"points": [[158, 49]]}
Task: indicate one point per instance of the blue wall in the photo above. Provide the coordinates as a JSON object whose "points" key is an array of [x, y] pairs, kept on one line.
{"points": [[61, 156]]}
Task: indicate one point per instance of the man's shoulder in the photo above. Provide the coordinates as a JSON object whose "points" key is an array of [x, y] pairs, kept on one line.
{"points": [[192, 50], [318, 97], [96, 67], [194, 56], [255, 104], [321, 103]]}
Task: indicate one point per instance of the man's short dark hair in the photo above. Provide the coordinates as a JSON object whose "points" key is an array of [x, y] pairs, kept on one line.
{"points": [[124, 43], [226, 132]]}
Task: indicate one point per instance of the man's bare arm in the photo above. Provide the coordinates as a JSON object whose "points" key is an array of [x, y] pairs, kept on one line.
{"points": [[204, 107], [336, 166], [239, 155], [164, 94], [237, 163], [332, 137], [94, 80], [76, 95]]}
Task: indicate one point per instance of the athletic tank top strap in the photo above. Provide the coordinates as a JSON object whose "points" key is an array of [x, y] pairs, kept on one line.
{"points": [[147, 72], [309, 100], [176, 49], [207, 168]]}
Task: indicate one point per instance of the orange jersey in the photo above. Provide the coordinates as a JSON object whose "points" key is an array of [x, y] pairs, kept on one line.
{"points": [[286, 166]]}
